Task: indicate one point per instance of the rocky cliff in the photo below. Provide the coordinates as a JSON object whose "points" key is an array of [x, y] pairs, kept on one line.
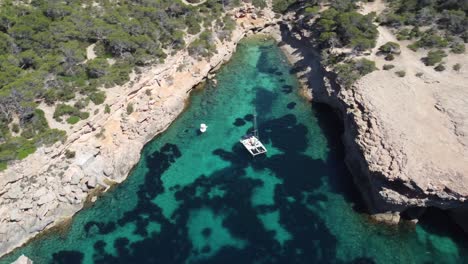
{"points": [[405, 137]]}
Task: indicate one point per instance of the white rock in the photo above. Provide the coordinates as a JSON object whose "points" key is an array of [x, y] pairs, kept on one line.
{"points": [[39, 193], [42, 211], [49, 197], [67, 177], [23, 260], [25, 205], [62, 199], [65, 190], [75, 174], [84, 187], [92, 182], [15, 192], [15, 215]]}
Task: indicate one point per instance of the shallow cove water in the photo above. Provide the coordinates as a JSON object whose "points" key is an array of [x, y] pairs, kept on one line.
{"points": [[201, 198]]}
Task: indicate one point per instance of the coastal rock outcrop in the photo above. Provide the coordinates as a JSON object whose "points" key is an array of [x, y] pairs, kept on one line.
{"points": [[405, 138]]}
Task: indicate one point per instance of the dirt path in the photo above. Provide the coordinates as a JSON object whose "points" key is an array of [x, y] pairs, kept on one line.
{"points": [[193, 4]]}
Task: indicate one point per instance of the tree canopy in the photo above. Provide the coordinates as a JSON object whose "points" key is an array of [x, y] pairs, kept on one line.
{"points": [[43, 54]]}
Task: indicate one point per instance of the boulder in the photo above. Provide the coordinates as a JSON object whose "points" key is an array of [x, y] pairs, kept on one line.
{"points": [[392, 218], [92, 182], [75, 174], [41, 213], [15, 192], [15, 215], [43, 210], [47, 198], [65, 190], [23, 260], [95, 167], [39, 193], [25, 205]]}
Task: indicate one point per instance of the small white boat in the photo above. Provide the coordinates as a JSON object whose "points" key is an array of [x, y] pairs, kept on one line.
{"points": [[203, 128]]}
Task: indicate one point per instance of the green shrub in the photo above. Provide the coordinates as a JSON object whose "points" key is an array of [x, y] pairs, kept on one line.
{"points": [[15, 128], [434, 57], [403, 34], [84, 115], [419, 74], [63, 109], [24, 151], [73, 120], [98, 97], [69, 154], [390, 48], [351, 29], [440, 67], [3, 165], [458, 48], [50, 136], [389, 57], [130, 108], [280, 6], [97, 68], [400, 74], [430, 39], [456, 67], [387, 67], [81, 103], [351, 71], [414, 47], [107, 109], [259, 3]]}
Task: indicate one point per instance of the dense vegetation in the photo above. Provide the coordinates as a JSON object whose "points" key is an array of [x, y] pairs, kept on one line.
{"points": [[334, 25], [43, 56], [350, 71], [346, 29], [430, 24]]}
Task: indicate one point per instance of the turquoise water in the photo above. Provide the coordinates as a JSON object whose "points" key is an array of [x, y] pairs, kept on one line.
{"points": [[202, 199]]}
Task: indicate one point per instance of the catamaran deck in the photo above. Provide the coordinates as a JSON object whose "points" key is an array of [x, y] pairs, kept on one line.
{"points": [[253, 145]]}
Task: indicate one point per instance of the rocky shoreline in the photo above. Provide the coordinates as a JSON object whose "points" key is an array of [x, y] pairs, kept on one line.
{"points": [[47, 188]]}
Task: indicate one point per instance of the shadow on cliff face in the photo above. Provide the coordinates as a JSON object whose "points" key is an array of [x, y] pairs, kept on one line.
{"points": [[341, 181], [310, 240], [310, 59]]}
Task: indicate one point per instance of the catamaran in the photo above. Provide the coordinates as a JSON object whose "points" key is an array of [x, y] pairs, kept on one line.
{"points": [[252, 141]]}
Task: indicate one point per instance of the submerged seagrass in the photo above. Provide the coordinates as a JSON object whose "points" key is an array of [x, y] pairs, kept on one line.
{"points": [[202, 199]]}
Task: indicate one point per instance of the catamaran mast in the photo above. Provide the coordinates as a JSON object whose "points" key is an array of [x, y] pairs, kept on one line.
{"points": [[255, 125]]}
